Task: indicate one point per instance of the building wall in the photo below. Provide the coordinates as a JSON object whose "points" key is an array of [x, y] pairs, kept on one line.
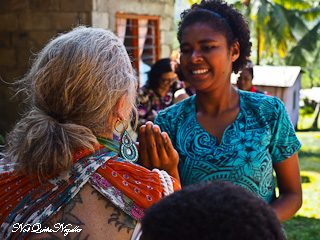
{"points": [[291, 101], [27, 25], [273, 90], [104, 15]]}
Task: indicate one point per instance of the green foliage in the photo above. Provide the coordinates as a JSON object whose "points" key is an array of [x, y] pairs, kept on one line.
{"points": [[308, 116], [309, 154], [1, 139], [304, 48], [311, 78], [286, 31], [306, 111], [193, 1], [175, 44]]}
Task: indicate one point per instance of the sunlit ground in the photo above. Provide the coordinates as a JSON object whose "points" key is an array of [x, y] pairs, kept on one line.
{"points": [[305, 225]]}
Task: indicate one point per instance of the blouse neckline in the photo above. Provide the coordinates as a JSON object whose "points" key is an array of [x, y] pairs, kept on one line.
{"points": [[194, 114]]}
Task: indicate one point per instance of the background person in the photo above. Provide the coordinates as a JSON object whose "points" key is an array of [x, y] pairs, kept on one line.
{"points": [[187, 90], [60, 163], [244, 81], [158, 93], [222, 133], [216, 210]]}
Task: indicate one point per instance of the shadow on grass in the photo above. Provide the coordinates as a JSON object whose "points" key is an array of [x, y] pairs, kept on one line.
{"points": [[308, 153], [302, 228], [305, 179], [311, 129]]}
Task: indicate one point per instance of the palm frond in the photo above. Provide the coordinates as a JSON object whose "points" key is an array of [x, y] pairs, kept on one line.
{"points": [[308, 45], [296, 25], [278, 26], [294, 4], [296, 57], [310, 41], [316, 58], [310, 14]]}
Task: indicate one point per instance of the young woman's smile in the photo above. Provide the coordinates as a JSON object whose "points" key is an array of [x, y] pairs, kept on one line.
{"points": [[205, 57]]}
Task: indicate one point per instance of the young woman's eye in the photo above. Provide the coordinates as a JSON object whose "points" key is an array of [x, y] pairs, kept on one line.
{"points": [[207, 48], [185, 50]]}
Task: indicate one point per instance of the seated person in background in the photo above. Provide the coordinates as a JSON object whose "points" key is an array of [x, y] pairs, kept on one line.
{"points": [[158, 93], [217, 210], [245, 80], [188, 90], [61, 164]]}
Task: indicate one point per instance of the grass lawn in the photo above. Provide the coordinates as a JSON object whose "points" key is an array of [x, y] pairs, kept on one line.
{"points": [[305, 225]]}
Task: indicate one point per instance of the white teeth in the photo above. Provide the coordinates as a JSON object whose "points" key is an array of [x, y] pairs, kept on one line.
{"points": [[201, 71]]}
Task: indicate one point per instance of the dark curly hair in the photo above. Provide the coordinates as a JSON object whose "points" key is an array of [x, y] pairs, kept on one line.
{"points": [[223, 18], [216, 210], [161, 66]]}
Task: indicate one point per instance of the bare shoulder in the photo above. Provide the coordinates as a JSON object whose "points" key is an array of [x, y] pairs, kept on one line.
{"points": [[95, 215]]}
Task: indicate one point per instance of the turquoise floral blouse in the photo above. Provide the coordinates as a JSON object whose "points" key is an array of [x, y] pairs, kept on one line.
{"points": [[262, 135]]}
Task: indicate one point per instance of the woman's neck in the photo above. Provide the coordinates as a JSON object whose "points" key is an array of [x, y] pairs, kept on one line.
{"points": [[216, 102], [162, 92], [106, 135]]}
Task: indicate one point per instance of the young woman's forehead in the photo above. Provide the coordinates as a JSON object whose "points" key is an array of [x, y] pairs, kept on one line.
{"points": [[202, 33], [207, 26]]}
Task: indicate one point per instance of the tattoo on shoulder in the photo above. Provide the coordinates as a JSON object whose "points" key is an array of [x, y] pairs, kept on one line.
{"points": [[118, 217], [66, 218]]}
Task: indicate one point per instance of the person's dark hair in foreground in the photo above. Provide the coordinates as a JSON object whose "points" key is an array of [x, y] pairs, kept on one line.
{"points": [[217, 210]]}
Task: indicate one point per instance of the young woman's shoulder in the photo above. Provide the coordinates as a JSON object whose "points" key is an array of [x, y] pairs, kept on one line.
{"points": [[268, 106], [258, 100], [172, 117]]}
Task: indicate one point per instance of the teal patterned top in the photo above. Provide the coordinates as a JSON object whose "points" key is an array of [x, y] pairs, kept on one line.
{"points": [[262, 135]]}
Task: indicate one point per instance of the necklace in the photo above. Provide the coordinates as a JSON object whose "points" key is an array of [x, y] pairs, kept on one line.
{"points": [[126, 149]]}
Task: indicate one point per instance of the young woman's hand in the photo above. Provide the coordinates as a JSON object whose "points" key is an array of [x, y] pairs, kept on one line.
{"points": [[156, 150]]}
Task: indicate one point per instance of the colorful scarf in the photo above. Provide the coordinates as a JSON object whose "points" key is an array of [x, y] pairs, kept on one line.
{"points": [[129, 186]]}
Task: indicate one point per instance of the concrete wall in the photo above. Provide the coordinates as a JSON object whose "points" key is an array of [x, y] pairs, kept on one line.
{"points": [[104, 12], [27, 25]]}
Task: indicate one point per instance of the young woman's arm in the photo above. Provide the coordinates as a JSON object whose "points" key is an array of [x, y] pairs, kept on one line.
{"points": [[289, 183]]}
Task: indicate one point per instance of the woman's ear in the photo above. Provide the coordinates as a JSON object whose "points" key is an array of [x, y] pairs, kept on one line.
{"points": [[235, 52], [120, 108], [123, 108]]}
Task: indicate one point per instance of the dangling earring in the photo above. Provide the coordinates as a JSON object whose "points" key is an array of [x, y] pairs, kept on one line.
{"points": [[128, 150]]}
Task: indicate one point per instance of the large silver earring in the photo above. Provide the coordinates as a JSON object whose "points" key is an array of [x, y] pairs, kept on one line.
{"points": [[128, 150]]}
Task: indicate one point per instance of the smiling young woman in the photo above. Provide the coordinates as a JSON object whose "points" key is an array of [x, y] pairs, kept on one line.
{"points": [[224, 133], [206, 59]]}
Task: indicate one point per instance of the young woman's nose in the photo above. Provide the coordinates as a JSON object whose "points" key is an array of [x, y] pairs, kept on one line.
{"points": [[196, 56]]}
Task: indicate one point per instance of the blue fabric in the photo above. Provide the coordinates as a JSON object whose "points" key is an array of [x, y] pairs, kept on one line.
{"points": [[262, 135]]}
